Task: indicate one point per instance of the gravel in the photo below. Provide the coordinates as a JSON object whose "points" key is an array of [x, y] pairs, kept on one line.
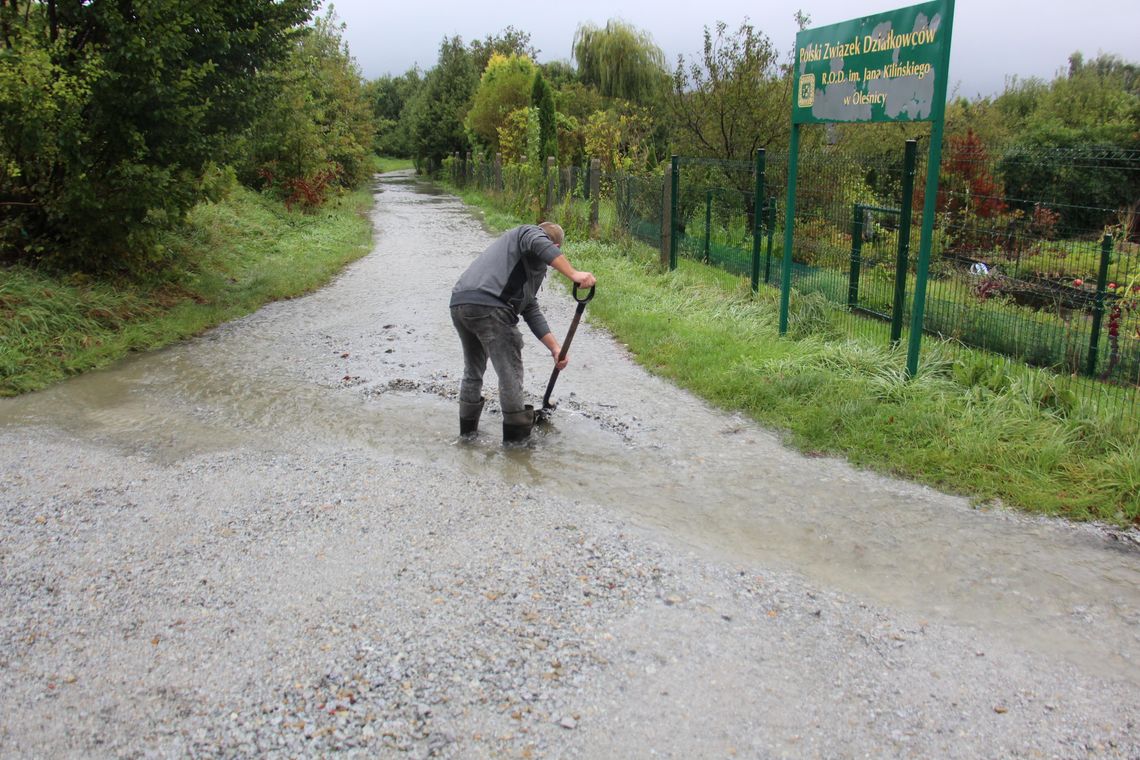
{"points": [[303, 604], [305, 595]]}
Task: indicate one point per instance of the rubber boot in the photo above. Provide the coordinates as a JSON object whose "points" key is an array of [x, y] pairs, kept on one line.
{"points": [[517, 425], [469, 417]]}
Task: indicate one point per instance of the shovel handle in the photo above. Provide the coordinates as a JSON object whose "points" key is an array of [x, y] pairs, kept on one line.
{"points": [[566, 344]]}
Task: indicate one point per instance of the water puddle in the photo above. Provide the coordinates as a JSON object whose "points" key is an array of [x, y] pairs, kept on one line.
{"points": [[372, 361]]}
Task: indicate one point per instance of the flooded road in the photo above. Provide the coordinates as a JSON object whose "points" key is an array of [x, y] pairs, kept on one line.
{"points": [[372, 361]]}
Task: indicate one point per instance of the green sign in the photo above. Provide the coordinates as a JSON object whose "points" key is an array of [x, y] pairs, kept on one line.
{"points": [[887, 67]]}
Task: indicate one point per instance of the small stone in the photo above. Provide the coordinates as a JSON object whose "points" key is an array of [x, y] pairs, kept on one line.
{"points": [[1001, 709], [673, 599], [568, 722]]}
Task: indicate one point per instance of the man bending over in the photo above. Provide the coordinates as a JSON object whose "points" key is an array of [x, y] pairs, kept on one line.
{"points": [[500, 286]]}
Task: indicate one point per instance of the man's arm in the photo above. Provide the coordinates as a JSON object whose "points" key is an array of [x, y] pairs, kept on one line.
{"points": [[551, 343], [564, 267]]}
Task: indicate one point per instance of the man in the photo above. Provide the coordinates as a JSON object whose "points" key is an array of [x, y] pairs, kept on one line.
{"points": [[486, 303]]}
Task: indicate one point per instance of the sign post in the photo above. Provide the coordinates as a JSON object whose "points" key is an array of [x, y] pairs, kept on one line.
{"points": [[892, 66]]}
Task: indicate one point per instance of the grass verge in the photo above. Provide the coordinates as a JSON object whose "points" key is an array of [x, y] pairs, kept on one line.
{"points": [[704, 329], [232, 257], [381, 164]]}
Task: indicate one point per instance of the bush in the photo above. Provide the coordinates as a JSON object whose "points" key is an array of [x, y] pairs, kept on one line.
{"points": [[110, 112]]}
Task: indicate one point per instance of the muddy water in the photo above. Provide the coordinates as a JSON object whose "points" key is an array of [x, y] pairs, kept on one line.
{"points": [[372, 362]]}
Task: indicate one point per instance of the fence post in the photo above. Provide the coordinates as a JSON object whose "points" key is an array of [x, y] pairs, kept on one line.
{"points": [[667, 216], [627, 203], [467, 168], [771, 208], [757, 218], [674, 178], [567, 189], [902, 261], [499, 172], [595, 194], [789, 229], [856, 257], [708, 223], [1098, 304], [551, 185]]}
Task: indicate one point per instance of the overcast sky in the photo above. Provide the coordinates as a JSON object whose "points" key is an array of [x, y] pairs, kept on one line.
{"points": [[992, 38]]}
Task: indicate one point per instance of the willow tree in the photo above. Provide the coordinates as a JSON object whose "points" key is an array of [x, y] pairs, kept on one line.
{"points": [[620, 60]]}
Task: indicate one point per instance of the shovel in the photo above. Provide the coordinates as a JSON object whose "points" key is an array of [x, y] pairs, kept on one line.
{"points": [[548, 407]]}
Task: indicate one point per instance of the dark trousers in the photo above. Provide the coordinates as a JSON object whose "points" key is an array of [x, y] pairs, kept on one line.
{"points": [[490, 332]]}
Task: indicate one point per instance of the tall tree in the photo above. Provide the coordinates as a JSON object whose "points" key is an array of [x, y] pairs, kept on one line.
{"points": [[390, 96], [733, 99], [505, 86], [621, 61], [439, 108], [508, 42], [314, 130], [559, 74], [542, 98]]}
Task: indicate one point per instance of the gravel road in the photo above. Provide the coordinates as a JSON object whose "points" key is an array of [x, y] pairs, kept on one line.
{"points": [[268, 541]]}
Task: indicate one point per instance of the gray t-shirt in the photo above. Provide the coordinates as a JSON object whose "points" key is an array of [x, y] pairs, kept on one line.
{"points": [[509, 273]]}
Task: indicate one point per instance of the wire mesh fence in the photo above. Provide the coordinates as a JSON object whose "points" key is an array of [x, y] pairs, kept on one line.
{"points": [[1031, 277], [1036, 259], [637, 203]]}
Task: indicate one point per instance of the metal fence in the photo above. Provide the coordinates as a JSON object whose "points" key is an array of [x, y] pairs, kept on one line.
{"points": [[1035, 258], [1018, 268]]}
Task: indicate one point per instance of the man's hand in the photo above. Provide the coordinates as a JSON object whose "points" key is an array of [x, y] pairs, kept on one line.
{"points": [[583, 279], [560, 365]]}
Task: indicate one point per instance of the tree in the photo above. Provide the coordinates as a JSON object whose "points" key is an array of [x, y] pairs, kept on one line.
{"points": [[315, 130], [578, 100], [439, 108], [734, 99], [505, 86], [509, 42], [109, 113], [618, 137], [514, 135], [621, 61], [1108, 66], [571, 141], [542, 98], [1073, 145], [559, 74], [390, 97]]}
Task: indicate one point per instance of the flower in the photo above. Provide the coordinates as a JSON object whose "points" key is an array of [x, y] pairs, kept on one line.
{"points": [[1078, 282]]}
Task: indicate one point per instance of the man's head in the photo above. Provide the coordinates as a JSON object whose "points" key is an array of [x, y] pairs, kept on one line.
{"points": [[553, 231]]}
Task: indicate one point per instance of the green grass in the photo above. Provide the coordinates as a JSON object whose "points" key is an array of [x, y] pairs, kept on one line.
{"points": [[381, 164], [969, 423], [231, 258]]}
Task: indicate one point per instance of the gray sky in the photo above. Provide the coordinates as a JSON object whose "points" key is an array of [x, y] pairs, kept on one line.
{"points": [[992, 38]]}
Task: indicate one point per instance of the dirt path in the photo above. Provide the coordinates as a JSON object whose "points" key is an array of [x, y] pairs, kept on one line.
{"points": [[269, 541]]}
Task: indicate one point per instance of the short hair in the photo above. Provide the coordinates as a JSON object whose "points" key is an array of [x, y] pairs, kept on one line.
{"points": [[553, 231]]}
